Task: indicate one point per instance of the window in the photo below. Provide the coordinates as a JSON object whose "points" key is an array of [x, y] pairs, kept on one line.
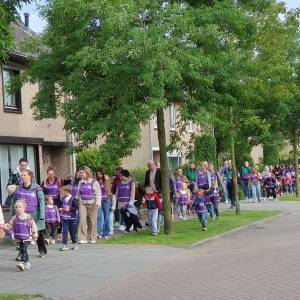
{"points": [[9, 157], [11, 102], [172, 117]]}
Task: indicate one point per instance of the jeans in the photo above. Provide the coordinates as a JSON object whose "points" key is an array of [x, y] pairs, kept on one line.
{"points": [[69, 226], [23, 250], [160, 220], [182, 208], [256, 191], [245, 186], [203, 219], [216, 208], [210, 209], [152, 219], [103, 221]]}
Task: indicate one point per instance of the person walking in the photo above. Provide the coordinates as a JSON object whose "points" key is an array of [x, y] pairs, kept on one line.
{"points": [[103, 221], [35, 207], [89, 196]]}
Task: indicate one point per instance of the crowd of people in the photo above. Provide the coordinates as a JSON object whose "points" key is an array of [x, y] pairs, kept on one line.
{"points": [[91, 206]]}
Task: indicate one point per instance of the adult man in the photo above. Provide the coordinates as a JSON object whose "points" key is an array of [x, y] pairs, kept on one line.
{"points": [[224, 180], [230, 184], [192, 174], [153, 177], [15, 179], [245, 173]]}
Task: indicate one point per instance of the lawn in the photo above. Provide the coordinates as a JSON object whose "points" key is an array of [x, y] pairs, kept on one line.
{"points": [[290, 197], [188, 232], [18, 297]]}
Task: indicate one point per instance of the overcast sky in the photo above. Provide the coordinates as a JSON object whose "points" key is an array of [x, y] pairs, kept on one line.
{"points": [[37, 24]]}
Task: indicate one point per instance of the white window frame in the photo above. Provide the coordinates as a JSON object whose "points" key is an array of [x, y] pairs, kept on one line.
{"points": [[172, 117]]}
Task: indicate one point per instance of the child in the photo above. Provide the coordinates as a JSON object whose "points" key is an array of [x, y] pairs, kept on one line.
{"points": [[152, 202], [68, 217], [215, 200], [52, 218], [183, 199], [24, 230], [131, 217], [200, 208]]}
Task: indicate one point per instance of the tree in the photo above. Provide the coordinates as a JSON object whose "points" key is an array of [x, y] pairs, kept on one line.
{"points": [[8, 14], [119, 63]]}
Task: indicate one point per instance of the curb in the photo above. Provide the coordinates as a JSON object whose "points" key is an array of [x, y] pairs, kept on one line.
{"points": [[236, 230]]}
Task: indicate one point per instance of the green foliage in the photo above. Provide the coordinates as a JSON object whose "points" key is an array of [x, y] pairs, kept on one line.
{"points": [[96, 158], [139, 175], [8, 14], [242, 152], [188, 232], [271, 154], [205, 149]]}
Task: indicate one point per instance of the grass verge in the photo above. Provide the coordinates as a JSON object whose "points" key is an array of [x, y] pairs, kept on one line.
{"points": [[19, 297], [291, 197], [188, 232]]}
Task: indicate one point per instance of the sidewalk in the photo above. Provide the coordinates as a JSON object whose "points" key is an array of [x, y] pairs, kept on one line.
{"points": [[261, 263]]}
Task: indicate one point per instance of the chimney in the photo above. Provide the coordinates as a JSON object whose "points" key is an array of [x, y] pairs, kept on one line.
{"points": [[26, 15]]}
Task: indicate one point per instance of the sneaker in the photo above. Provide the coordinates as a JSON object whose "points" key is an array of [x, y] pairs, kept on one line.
{"points": [[20, 266], [154, 233], [27, 265], [64, 248], [42, 254], [18, 258], [106, 237], [75, 247], [93, 242], [52, 242], [99, 236], [122, 228], [47, 242], [82, 242], [204, 229]]}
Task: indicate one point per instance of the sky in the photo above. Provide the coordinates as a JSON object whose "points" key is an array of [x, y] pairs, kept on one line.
{"points": [[37, 24]]}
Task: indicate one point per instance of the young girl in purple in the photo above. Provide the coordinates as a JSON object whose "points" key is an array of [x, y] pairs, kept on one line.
{"points": [[215, 199], [200, 208], [202, 178], [68, 213], [52, 219], [180, 179], [255, 178], [24, 230], [184, 195]]}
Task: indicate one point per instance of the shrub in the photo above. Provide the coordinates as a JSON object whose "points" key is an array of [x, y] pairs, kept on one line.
{"points": [[205, 149], [96, 158], [139, 175]]}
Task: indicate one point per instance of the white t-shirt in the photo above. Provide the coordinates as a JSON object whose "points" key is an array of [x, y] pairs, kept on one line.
{"points": [[152, 180]]}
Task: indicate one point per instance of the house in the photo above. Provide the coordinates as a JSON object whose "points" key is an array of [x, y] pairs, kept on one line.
{"points": [[44, 142]]}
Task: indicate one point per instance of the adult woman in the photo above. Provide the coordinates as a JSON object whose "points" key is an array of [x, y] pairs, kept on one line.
{"points": [[30, 191], [255, 178], [103, 221], [51, 186], [89, 194], [203, 178], [125, 193]]}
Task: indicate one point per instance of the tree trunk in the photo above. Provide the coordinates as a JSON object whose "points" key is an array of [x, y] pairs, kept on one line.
{"points": [[161, 132], [234, 171], [295, 151]]}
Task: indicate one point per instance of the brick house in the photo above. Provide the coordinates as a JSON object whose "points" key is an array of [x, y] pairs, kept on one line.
{"points": [[43, 143]]}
